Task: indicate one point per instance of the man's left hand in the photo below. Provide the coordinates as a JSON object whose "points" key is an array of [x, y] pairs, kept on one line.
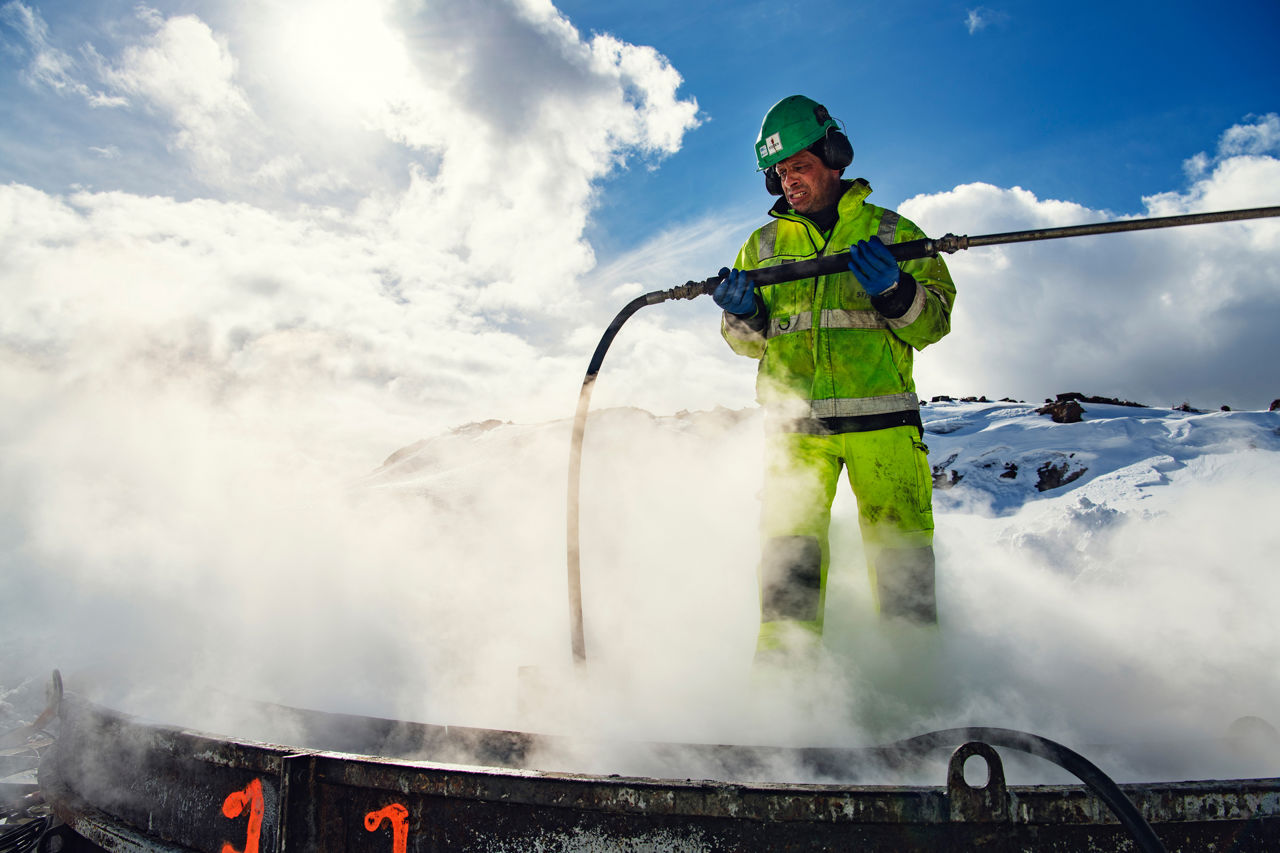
{"points": [[875, 269]]}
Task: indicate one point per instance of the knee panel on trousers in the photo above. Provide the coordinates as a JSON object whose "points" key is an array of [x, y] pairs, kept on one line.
{"points": [[905, 584], [791, 579]]}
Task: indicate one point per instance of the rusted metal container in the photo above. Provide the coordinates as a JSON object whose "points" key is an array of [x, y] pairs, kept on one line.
{"points": [[129, 785]]}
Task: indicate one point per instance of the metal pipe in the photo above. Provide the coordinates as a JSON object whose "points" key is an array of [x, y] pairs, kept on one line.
{"points": [[1124, 225], [912, 250]]}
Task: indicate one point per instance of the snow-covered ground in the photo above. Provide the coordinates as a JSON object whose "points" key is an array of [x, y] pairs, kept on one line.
{"points": [[1130, 603]]}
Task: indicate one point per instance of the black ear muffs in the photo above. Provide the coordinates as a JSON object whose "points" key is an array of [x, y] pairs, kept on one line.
{"points": [[836, 149], [772, 182]]}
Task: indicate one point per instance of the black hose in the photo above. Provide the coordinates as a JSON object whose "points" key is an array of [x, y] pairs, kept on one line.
{"points": [[689, 290], [1083, 769], [577, 636]]}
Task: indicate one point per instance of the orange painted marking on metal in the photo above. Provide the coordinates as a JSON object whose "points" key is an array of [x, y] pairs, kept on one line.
{"points": [[233, 807], [398, 816]]}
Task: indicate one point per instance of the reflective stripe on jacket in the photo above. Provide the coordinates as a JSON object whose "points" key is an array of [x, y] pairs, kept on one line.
{"points": [[832, 359]]}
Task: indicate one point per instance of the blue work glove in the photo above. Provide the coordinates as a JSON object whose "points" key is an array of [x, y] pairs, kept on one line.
{"points": [[874, 267], [735, 294]]}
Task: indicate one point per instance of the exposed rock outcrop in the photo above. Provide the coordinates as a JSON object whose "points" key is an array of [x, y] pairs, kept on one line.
{"points": [[1063, 411]]}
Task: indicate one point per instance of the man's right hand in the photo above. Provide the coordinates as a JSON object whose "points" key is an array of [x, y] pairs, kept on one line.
{"points": [[735, 294]]}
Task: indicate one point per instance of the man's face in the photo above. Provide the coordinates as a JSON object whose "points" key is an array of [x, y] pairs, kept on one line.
{"points": [[808, 185]]}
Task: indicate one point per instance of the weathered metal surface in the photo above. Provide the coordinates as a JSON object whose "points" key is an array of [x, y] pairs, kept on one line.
{"points": [[130, 786]]}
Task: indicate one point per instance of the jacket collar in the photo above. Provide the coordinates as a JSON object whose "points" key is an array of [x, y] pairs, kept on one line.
{"points": [[855, 192]]}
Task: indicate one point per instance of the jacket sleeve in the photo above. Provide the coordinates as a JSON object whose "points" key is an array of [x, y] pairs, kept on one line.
{"points": [[918, 310], [745, 335]]}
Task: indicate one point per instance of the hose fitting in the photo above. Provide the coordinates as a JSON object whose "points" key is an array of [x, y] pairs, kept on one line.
{"points": [[688, 290]]}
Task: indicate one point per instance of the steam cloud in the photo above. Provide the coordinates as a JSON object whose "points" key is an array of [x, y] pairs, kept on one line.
{"points": [[202, 357]]}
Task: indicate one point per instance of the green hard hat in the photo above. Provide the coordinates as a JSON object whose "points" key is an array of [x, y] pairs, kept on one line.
{"points": [[790, 126]]}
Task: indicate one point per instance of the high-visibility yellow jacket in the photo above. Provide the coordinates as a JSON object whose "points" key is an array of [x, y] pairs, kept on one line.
{"points": [[832, 358]]}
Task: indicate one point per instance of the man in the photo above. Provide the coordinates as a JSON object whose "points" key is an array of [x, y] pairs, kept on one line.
{"points": [[835, 379]]}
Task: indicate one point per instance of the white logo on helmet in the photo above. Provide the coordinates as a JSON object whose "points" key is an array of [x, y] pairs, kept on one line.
{"points": [[772, 145]]}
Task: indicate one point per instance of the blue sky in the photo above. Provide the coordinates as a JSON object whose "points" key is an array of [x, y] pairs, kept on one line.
{"points": [[1097, 103]]}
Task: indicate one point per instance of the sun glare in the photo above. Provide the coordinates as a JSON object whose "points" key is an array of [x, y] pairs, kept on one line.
{"points": [[340, 61]]}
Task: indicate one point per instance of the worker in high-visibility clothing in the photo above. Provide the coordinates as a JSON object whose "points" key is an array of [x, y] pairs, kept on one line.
{"points": [[835, 379]]}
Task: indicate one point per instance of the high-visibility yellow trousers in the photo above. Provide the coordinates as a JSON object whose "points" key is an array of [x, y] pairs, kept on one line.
{"points": [[889, 473]]}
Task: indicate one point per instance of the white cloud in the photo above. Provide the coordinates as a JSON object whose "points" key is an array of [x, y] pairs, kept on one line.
{"points": [[981, 17], [1196, 165], [49, 66], [242, 302], [444, 295], [186, 71], [1261, 136], [656, 119], [1161, 317]]}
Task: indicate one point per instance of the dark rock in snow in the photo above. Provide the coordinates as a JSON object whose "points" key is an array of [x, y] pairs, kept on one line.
{"points": [[1275, 406], [1052, 476], [1063, 411], [1106, 401], [942, 479], [477, 427]]}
